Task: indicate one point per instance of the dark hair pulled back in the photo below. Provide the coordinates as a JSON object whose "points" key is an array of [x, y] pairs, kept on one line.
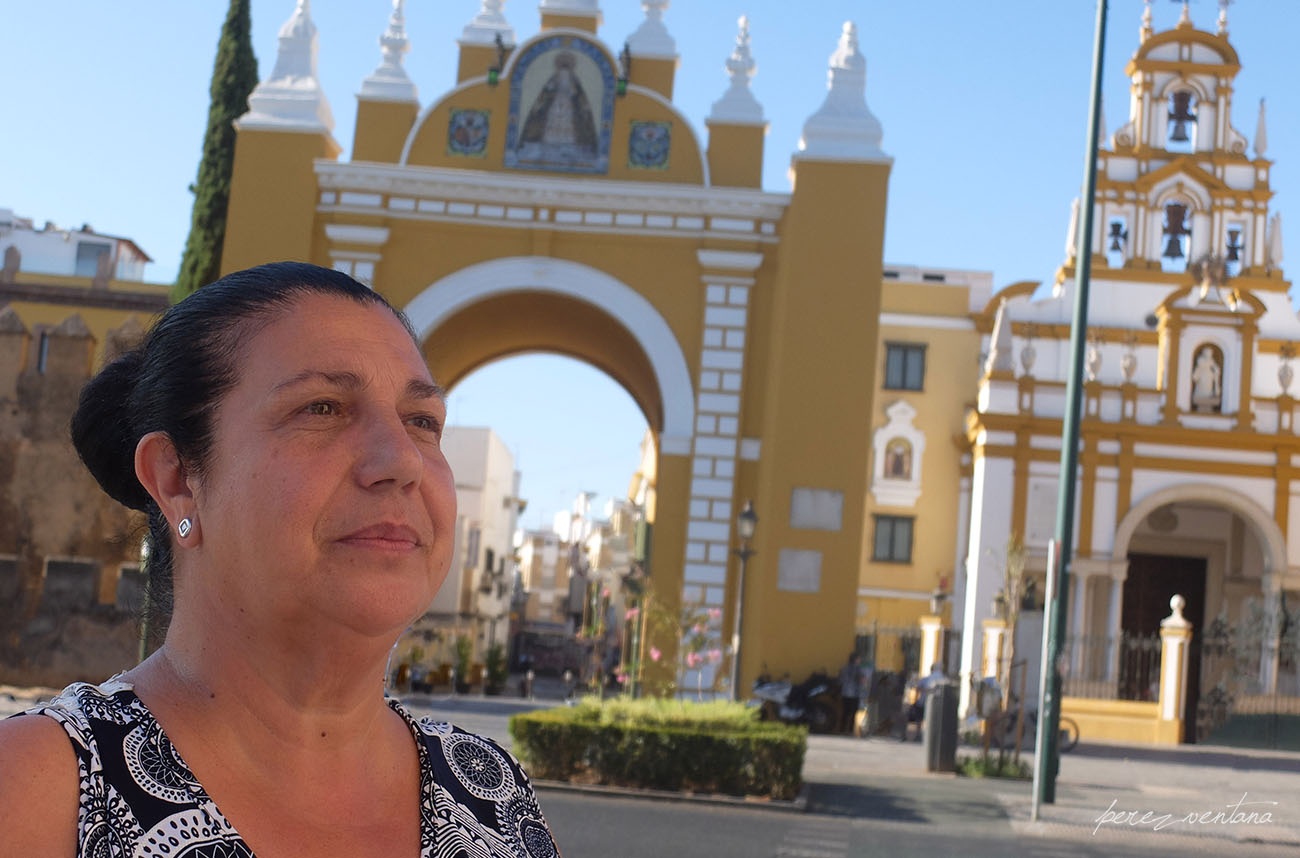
{"points": [[173, 382]]}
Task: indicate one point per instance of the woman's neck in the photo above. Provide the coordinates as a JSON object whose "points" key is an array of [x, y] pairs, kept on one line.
{"points": [[275, 697]]}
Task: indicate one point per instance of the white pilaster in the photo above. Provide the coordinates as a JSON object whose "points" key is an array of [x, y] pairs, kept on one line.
{"points": [[1113, 630], [1078, 616], [990, 523], [728, 279]]}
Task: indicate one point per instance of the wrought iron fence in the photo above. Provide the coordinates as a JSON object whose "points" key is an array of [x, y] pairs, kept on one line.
{"points": [[1249, 680], [1126, 667], [896, 649]]}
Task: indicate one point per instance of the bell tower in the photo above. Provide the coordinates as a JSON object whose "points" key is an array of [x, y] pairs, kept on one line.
{"points": [[1176, 182]]}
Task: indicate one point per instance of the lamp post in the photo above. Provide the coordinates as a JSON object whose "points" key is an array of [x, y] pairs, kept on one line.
{"points": [[1047, 759], [745, 524]]}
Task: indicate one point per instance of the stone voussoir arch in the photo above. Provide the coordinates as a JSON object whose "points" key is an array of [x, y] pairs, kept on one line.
{"points": [[1261, 522], [460, 289]]}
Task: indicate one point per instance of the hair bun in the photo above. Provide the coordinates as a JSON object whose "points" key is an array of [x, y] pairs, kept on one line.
{"points": [[104, 432]]}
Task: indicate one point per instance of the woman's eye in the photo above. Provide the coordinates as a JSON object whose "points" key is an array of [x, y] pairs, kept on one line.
{"points": [[425, 422]]}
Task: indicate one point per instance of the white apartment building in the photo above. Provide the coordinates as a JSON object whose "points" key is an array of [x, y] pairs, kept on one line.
{"points": [[67, 252]]}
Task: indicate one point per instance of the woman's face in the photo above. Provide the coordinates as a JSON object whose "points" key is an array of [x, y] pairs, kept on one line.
{"points": [[327, 499]]}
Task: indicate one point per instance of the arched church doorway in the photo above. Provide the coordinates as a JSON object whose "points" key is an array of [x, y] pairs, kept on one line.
{"points": [[1218, 550]]}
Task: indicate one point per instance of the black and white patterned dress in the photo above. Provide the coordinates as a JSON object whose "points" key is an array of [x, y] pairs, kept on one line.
{"points": [[138, 798]]}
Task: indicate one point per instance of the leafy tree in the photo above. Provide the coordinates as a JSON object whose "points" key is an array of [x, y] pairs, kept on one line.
{"points": [[233, 77]]}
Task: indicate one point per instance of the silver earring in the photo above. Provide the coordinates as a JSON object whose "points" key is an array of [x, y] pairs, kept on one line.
{"points": [[184, 527]]}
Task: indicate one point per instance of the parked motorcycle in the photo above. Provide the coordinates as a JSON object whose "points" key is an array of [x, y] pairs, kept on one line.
{"points": [[815, 701]]}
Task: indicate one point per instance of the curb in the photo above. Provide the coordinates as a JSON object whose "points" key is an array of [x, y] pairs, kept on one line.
{"points": [[797, 805]]}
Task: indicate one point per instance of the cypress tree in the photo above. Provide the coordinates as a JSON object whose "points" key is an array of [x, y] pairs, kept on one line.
{"points": [[233, 77]]}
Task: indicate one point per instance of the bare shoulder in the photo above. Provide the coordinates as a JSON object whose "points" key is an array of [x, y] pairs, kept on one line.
{"points": [[38, 788]]}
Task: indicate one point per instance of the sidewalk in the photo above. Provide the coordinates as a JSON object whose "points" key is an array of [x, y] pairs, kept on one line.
{"points": [[1118, 784]]}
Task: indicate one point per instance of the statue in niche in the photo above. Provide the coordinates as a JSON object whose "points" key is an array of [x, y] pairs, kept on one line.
{"points": [[560, 125], [1207, 381], [898, 460]]}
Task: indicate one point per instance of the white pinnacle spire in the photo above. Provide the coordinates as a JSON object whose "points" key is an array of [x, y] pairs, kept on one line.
{"points": [[843, 128], [1001, 355], [390, 81], [1275, 241], [291, 98], [652, 38], [1261, 133], [487, 24], [1072, 237], [1223, 17], [1185, 19], [1146, 30], [738, 104]]}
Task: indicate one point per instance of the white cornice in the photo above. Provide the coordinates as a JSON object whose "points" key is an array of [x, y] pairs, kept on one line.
{"points": [[350, 234], [918, 320], [550, 192], [729, 260]]}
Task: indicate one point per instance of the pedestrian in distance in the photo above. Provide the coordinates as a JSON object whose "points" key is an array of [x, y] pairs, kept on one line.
{"points": [[926, 685], [281, 432], [852, 685]]}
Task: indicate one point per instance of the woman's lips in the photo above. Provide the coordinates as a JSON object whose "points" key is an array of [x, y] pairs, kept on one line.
{"points": [[389, 537]]}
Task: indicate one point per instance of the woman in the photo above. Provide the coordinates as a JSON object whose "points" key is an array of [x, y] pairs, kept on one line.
{"points": [[281, 430]]}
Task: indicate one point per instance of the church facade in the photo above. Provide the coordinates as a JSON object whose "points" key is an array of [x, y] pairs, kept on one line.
{"points": [[1188, 447]]}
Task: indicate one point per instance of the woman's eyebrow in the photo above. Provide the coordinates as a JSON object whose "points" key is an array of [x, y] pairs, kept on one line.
{"points": [[418, 388], [345, 379]]}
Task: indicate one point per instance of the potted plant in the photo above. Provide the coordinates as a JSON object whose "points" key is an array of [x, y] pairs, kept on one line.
{"points": [[464, 651], [496, 670]]}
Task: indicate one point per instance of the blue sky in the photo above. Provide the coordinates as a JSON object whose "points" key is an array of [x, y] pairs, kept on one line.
{"points": [[983, 107]]}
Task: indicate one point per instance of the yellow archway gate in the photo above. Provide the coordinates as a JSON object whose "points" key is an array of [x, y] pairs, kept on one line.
{"points": [[743, 322]]}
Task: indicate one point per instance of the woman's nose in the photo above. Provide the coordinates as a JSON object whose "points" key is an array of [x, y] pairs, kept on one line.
{"points": [[388, 453]]}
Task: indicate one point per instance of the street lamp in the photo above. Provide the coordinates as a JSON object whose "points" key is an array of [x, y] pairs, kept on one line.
{"points": [[745, 524]]}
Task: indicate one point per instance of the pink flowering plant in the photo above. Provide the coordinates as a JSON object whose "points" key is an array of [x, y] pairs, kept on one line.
{"points": [[694, 632]]}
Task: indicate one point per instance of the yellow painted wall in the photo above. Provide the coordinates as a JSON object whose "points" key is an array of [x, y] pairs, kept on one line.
{"points": [[951, 358], [381, 130], [812, 408], [653, 74], [736, 155], [101, 321], [1131, 721], [475, 60], [273, 198]]}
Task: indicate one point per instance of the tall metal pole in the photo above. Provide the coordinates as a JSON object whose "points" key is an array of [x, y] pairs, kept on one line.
{"points": [[1047, 761], [744, 553]]}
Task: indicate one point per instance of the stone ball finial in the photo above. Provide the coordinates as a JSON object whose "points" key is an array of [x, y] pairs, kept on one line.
{"points": [[1176, 604]]}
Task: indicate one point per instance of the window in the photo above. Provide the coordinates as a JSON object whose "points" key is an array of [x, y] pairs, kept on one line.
{"points": [[88, 255], [904, 366], [892, 542]]}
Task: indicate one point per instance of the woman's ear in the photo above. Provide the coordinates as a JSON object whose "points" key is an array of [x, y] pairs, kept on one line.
{"points": [[159, 468]]}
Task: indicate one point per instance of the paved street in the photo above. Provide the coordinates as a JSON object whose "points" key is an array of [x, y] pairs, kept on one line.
{"points": [[871, 797]]}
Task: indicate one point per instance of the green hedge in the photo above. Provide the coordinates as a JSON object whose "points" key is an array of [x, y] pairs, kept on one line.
{"points": [[717, 748]]}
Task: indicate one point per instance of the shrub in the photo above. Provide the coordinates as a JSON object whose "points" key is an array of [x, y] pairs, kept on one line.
{"points": [[994, 767], [663, 744]]}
